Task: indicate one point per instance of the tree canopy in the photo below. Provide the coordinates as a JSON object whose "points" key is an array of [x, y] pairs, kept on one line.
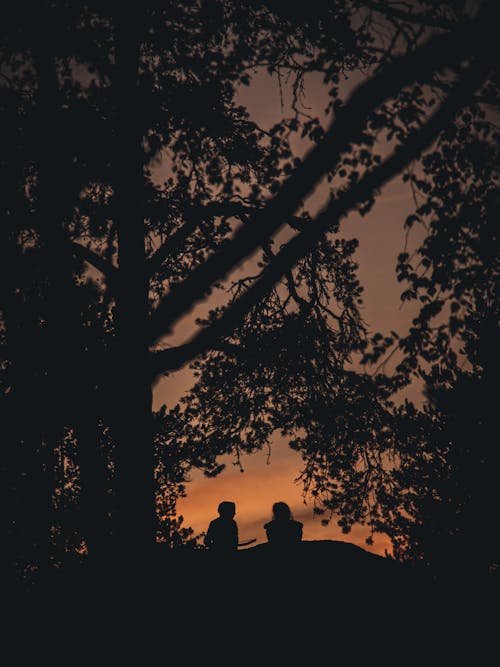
{"points": [[136, 184]]}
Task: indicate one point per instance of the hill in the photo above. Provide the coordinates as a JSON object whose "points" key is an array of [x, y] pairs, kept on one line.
{"points": [[317, 602]]}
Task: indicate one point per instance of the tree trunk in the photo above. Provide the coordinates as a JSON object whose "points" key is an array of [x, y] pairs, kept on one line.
{"points": [[55, 336], [94, 498], [134, 492]]}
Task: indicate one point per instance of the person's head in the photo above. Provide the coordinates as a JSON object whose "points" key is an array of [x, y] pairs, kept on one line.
{"points": [[281, 511], [227, 509]]}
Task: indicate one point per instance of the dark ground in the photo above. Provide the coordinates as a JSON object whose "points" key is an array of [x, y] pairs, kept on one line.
{"points": [[323, 602]]}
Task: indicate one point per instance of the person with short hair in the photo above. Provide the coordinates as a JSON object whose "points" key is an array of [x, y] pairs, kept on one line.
{"points": [[222, 533]]}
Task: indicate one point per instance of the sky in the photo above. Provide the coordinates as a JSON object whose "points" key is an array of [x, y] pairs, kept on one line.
{"points": [[270, 478]]}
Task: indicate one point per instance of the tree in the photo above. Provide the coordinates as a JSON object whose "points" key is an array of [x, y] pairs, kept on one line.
{"points": [[346, 424], [117, 88], [445, 498], [446, 487]]}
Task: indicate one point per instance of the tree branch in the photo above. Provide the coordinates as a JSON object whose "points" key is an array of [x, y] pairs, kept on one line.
{"points": [[491, 100], [194, 215], [171, 245], [175, 358], [419, 19], [98, 262], [347, 128]]}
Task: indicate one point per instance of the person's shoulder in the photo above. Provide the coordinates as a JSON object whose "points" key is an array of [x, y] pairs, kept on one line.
{"points": [[299, 524], [268, 525]]}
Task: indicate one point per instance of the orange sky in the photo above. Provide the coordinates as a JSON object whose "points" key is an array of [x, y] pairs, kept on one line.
{"points": [[382, 238]]}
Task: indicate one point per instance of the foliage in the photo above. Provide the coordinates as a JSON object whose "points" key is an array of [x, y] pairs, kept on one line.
{"points": [[447, 499], [136, 185]]}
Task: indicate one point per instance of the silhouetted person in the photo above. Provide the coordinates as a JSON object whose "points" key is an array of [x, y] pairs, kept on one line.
{"points": [[283, 530], [222, 533]]}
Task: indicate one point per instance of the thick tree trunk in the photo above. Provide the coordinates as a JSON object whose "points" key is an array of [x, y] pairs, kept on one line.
{"points": [[55, 337], [133, 528], [94, 499], [133, 525]]}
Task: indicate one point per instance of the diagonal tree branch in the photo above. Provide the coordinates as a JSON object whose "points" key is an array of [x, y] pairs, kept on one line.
{"points": [[194, 215], [421, 18], [98, 262], [174, 358], [171, 245], [437, 53]]}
